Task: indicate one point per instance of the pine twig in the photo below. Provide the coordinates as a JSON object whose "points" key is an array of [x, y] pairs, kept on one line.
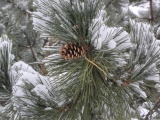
{"points": [[156, 105]]}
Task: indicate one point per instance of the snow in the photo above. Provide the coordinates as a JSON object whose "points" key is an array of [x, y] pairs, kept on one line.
{"points": [[1, 107], [22, 72], [24, 76], [19, 83], [157, 86], [19, 93], [134, 10], [23, 66], [40, 90], [154, 78], [121, 62], [18, 97], [5, 51], [112, 44], [136, 88], [143, 9], [39, 86], [109, 36], [61, 103], [158, 32], [134, 119], [143, 111], [48, 108]]}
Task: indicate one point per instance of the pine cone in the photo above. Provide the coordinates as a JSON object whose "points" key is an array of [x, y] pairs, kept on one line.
{"points": [[73, 51]]}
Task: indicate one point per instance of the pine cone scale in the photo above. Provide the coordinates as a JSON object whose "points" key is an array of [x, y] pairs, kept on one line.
{"points": [[73, 51]]}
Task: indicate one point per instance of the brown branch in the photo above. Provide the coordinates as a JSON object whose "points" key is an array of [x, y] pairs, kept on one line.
{"points": [[156, 106], [30, 46], [34, 40], [33, 54], [45, 41], [151, 11]]}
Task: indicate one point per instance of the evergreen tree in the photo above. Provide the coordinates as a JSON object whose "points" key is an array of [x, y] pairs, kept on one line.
{"points": [[102, 60]]}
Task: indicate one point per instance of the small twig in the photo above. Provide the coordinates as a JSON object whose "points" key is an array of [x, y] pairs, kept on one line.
{"points": [[151, 11], [156, 105], [96, 65]]}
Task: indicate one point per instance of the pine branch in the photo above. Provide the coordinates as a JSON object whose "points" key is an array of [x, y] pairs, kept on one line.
{"points": [[85, 86], [151, 11]]}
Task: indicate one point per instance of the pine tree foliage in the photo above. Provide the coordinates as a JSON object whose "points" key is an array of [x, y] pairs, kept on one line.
{"points": [[120, 11], [101, 66], [97, 86], [17, 19], [13, 10], [147, 11], [117, 12], [5, 64], [32, 95], [25, 38]]}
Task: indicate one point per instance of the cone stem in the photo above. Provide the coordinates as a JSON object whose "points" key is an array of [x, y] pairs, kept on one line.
{"points": [[96, 65]]}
